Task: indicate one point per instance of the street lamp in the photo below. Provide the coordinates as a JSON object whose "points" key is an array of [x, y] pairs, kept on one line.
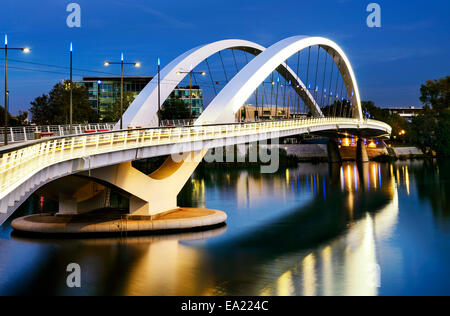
{"points": [[71, 90], [26, 50], [190, 87], [121, 63], [159, 92]]}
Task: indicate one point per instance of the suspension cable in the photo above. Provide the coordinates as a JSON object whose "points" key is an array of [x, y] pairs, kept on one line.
{"points": [[298, 75], [329, 89], [223, 66], [317, 69], [324, 90], [337, 81], [210, 76]]}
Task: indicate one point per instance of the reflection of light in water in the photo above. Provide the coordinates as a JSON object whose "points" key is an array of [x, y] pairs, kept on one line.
{"points": [[299, 184], [324, 188], [355, 174], [379, 175], [315, 186], [349, 178], [287, 176], [307, 184], [309, 275], [163, 270], [354, 273], [327, 271], [407, 179], [342, 179], [386, 219], [351, 205], [374, 175], [285, 284], [398, 177], [360, 257], [198, 192]]}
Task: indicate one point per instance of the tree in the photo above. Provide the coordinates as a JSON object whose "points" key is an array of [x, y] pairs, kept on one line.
{"points": [[174, 109], [436, 94], [18, 120], [423, 130], [112, 114], [54, 108], [40, 110], [431, 128]]}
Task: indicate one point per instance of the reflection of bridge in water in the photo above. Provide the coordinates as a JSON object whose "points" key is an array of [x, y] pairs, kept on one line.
{"points": [[348, 211], [328, 245], [106, 157]]}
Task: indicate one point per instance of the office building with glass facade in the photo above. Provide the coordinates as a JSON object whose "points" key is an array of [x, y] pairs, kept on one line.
{"points": [[104, 92]]}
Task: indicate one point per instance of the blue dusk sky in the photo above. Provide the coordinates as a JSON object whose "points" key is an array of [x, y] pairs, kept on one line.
{"points": [[390, 62]]}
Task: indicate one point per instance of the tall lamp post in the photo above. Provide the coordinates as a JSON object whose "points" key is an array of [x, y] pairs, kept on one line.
{"points": [[71, 90], [121, 63], [159, 92], [6, 48], [190, 87]]}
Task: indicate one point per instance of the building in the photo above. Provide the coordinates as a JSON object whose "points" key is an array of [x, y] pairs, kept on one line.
{"points": [[252, 113], [406, 113], [197, 98], [104, 92]]}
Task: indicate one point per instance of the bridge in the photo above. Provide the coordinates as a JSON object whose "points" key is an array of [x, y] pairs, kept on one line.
{"points": [[105, 157]]}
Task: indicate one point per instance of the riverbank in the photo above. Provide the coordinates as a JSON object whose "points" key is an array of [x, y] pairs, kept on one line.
{"points": [[292, 154]]}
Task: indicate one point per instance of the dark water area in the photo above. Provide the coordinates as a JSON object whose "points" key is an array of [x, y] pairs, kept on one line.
{"points": [[376, 229]]}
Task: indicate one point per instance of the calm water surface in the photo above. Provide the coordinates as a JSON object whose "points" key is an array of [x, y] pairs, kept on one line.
{"points": [[380, 229]]}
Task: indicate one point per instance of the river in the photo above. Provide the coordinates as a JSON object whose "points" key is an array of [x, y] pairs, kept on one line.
{"points": [[376, 229]]}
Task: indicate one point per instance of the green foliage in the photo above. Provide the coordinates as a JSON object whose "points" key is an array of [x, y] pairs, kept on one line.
{"points": [[436, 94], [442, 146], [54, 108], [431, 128], [174, 109], [18, 120], [112, 114]]}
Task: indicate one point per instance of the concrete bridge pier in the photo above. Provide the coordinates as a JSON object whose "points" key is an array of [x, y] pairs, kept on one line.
{"points": [[334, 156], [361, 152], [153, 201]]}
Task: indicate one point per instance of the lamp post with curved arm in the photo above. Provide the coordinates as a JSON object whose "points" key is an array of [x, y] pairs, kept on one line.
{"points": [[121, 63], [6, 48], [190, 87]]}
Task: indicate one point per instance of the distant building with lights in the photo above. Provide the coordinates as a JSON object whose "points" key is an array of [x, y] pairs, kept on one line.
{"points": [[407, 112], [104, 92], [254, 113]]}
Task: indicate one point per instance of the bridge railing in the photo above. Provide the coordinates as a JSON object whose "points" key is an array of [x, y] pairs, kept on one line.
{"points": [[27, 133], [21, 162]]}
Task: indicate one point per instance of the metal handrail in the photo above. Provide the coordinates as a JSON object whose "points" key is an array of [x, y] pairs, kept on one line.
{"points": [[19, 163], [27, 133]]}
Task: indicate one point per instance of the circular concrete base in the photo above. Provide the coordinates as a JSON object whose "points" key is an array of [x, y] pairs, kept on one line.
{"points": [[183, 218]]}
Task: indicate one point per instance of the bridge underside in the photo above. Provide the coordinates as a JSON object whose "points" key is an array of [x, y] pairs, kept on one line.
{"points": [[348, 132]]}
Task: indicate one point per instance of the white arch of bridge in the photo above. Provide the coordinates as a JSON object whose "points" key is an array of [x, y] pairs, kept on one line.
{"points": [[230, 99], [143, 111]]}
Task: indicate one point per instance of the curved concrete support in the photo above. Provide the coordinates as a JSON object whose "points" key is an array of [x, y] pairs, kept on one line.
{"points": [[223, 108], [150, 195], [143, 111]]}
